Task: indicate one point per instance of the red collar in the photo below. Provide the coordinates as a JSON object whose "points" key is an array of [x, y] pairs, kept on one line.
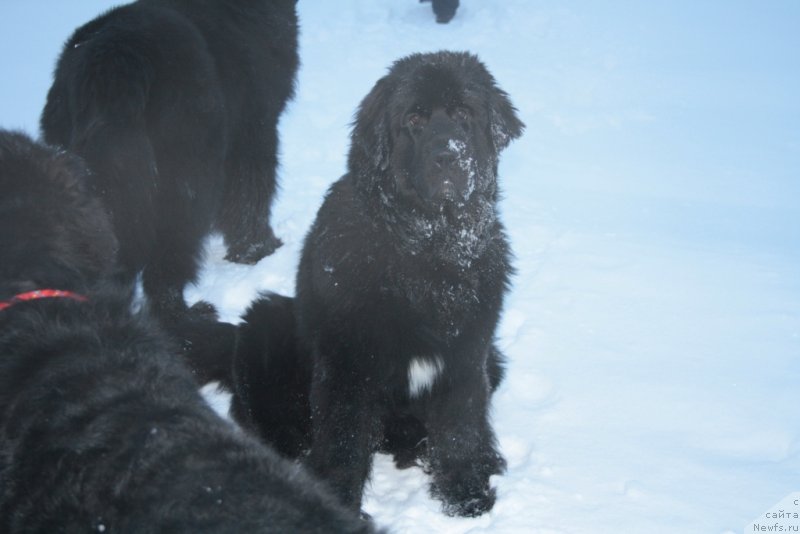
{"points": [[41, 294]]}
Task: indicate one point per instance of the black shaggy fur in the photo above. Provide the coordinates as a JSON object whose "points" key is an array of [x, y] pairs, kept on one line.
{"points": [[174, 105], [401, 283], [101, 430]]}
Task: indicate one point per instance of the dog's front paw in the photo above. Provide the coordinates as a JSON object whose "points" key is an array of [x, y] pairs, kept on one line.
{"points": [[202, 310], [251, 253], [463, 495]]}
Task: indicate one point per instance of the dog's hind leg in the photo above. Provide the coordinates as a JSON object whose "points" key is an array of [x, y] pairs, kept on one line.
{"points": [[174, 263], [111, 138], [186, 204], [250, 185]]}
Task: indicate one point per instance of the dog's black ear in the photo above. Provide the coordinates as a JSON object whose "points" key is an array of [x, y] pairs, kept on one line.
{"points": [[34, 163], [68, 171], [504, 123], [371, 135]]}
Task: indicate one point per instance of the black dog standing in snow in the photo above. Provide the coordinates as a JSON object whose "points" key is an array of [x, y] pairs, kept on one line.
{"points": [[401, 282], [101, 429], [174, 105]]}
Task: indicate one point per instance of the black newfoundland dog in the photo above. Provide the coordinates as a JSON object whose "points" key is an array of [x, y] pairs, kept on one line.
{"points": [[101, 429], [399, 292], [174, 105], [402, 277]]}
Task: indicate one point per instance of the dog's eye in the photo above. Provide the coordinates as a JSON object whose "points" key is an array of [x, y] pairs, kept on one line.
{"points": [[462, 113], [415, 120]]}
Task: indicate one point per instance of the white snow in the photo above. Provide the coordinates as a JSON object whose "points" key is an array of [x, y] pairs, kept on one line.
{"points": [[653, 328]]}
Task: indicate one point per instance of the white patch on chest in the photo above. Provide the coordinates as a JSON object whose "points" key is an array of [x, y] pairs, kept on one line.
{"points": [[422, 373]]}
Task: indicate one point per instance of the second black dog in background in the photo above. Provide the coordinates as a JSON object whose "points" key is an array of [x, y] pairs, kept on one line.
{"points": [[174, 105]]}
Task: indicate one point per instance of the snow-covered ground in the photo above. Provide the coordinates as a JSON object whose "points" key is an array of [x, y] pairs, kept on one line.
{"points": [[653, 329]]}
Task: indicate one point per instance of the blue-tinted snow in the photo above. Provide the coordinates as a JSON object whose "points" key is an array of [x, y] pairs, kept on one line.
{"points": [[653, 330]]}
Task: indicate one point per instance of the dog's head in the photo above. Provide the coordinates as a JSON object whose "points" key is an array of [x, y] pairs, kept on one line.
{"points": [[435, 125], [52, 232]]}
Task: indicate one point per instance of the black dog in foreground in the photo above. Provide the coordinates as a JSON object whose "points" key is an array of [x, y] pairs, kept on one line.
{"points": [[399, 293], [100, 428], [174, 105]]}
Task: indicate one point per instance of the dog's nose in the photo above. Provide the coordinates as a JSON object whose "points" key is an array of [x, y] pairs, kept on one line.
{"points": [[445, 158]]}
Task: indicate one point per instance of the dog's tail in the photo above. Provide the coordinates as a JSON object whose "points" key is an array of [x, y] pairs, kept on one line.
{"points": [[272, 376], [206, 345], [96, 109]]}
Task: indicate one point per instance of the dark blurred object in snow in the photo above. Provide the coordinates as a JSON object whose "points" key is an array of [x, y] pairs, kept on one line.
{"points": [[445, 10]]}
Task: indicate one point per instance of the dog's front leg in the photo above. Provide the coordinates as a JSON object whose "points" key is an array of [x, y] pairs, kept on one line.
{"points": [[461, 444]]}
